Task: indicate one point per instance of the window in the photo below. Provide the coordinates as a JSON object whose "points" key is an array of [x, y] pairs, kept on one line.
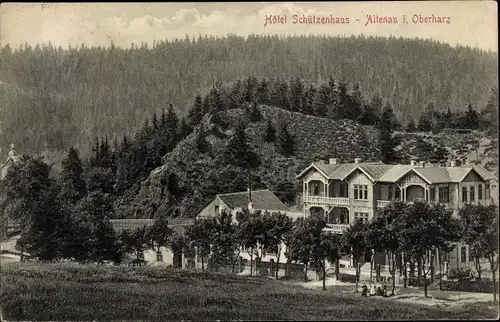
{"points": [[391, 192], [159, 256], [360, 192], [216, 210], [463, 253], [141, 256], [432, 194], [480, 192], [361, 215], [444, 194], [487, 191], [472, 191], [397, 193], [464, 194]]}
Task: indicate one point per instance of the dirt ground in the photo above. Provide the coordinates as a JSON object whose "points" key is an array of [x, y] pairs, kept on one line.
{"points": [[413, 295]]}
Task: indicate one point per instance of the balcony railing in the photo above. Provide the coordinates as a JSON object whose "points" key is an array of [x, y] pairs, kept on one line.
{"points": [[336, 228], [339, 201], [383, 203]]}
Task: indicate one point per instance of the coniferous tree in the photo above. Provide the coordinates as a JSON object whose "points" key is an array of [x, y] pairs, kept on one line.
{"points": [[377, 103], [262, 93], [249, 89], [279, 96], [490, 111], [410, 127], [206, 105], [254, 114], [172, 120], [387, 142], [309, 99], [296, 95], [368, 116], [238, 152], [286, 142], [449, 118], [154, 122], [73, 186], [163, 118], [270, 134], [201, 142], [216, 103], [471, 118], [236, 96], [426, 121], [184, 129], [322, 101], [342, 101], [196, 113]]}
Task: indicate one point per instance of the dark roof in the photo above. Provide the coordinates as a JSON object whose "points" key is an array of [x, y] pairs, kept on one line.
{"points": [[131, 224], [261, 200]]}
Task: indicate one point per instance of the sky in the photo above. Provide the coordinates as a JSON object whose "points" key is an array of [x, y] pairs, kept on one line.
{"points": [[472, 23]]}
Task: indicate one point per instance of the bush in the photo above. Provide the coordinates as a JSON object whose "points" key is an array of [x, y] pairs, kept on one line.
{"points": [[460, 274], [481, 286]]}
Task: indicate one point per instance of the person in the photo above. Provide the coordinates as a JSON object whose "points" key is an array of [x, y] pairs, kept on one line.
{"points": [[365, 290], [385, 290], [379, 291]]}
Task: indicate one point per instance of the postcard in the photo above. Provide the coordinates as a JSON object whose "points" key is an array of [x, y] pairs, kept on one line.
{"points": [[249, 160]]}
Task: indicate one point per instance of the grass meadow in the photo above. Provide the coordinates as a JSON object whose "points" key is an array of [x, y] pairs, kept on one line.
{"points": [[34, 291]]}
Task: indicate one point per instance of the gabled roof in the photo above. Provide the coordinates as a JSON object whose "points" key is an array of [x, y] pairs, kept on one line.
{"points": [[120, 225], [395, 173], [261, 200], [483, 173], [433, 174], [312, 166], [457, 174], [342, 170], [375, 170], [378, 171], [452, 174]]}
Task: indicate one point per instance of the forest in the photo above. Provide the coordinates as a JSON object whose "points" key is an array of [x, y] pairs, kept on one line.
{"points": [[54, 98]]}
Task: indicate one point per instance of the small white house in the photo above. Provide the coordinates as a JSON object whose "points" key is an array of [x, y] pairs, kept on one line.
{"points": [[263, 200], [257, 200], [151, 257]]}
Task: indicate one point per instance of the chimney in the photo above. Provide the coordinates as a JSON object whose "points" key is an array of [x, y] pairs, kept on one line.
{"points": [[453, 163], [413, 162], [333, 161], [422, 164], [357, 160]]}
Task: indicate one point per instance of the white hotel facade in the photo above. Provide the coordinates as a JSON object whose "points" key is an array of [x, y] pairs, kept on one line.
{"points": [[345, 192]]}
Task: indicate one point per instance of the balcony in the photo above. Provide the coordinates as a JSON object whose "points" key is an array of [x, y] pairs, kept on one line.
{"points": [[335, 201], [336, 228]]}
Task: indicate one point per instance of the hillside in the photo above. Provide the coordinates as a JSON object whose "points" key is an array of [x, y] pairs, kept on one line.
{"points": [[199, 176], [62, 98]]}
